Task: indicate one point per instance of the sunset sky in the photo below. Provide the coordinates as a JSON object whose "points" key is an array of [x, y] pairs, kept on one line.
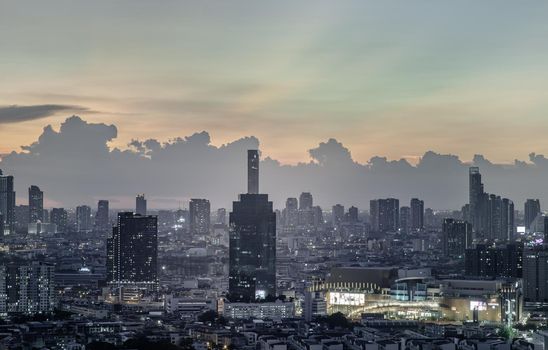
{"points": [[390, 78]]}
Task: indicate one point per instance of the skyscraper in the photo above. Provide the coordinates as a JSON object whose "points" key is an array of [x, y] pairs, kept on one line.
{"points": [[252, 248], [7, 204], [532, 209], [535, 276], [252, 171], [83, 218], [59, 217], [405, 219], [417, 214], [36, 204], [305, 201], [457, 237], [384, 214], [200, 216], [337, 214], [102, 220], [475, 197], [141, 204], [132, 252]]}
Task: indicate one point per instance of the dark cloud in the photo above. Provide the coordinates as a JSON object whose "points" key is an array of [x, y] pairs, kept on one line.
{"points": [[74, 165], [17, 114]]}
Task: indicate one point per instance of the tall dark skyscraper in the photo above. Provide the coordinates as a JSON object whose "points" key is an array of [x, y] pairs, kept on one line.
{"points": [[252, 248], [291, 212], [476, 195], [252, 171], [59, 217], [7, 204], [532, 209], [141, 204], [200, 216], [36, 204], [405, 219], [132, 252], [83, 218], [384, 214], [102, 220], [417, 214]]}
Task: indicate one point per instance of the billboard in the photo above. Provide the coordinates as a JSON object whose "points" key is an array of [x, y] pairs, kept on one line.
{"points": [[478, 305], [354, 299]]}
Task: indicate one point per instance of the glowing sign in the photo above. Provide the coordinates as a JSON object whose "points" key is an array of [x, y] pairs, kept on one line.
{"points": [[521, 229], [478, 305], [355, 299]]}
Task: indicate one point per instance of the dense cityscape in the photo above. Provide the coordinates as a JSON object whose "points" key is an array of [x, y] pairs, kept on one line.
{"points": [[264, 275]]}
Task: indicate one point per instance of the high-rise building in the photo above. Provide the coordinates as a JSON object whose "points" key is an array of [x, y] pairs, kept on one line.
{"points": [[36, 205], [352, 216], [59, 217], [405, 219], [337, 214], [102, 216], [417, 214], [494, 262], [200, 216], [83, 218], [535, 276], [141, 204], [252, 171], [291, 212], [532, 210], [457, 237], [475, 197], [384, 214], [221, 216], [252, 248], [7, 204], [132, 252], [305, 201], [27, 289]]}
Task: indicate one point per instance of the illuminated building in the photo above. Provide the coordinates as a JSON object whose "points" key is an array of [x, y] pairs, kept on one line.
{"points": [[252, 248], [200, 216], [384, 214], [132, 253], [457, 237]]}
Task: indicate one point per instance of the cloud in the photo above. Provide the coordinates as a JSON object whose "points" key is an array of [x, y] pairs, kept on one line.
{"points": [[75, 165], [18, 114]]}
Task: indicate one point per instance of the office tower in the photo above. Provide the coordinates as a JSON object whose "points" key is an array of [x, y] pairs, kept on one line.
{"points": [[253, 171], [494, 262], [305, 201], [141, 204], [384, 214], [59, 217], [532, 210], [7, 204], [417, 214], [457, 237], [337, 214], [352, 215], [102, 220], [507, 221], [252, 248], [27, 289], [36, 205], [291, 212], [535, 276], [200, 216], [132, 252], [476, 196], [221, 216], [317, 216], [83, 218], [405, 219], [21, 217]]}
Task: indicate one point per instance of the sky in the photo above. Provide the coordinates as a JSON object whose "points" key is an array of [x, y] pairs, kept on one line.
{"points": [[386, 78]]}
